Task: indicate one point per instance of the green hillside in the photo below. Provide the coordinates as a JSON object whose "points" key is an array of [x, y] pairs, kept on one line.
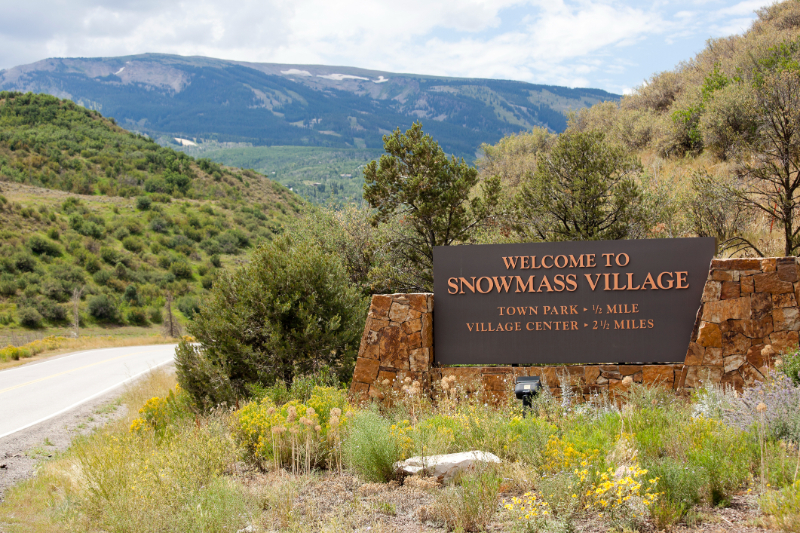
{"points": [[86, 204]]}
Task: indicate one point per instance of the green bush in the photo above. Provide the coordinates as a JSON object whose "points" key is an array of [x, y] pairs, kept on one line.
{"points": [[370, 449], [143, 203], [790, 366], [8, 287], [101, 277], [136, 317], [102, 308], [289, 310], [782, 507], [53, 234], [155, 316], [109, 255], [43, 246], [181, 270], [189, 305], [29, 317], [132, 244], [24, 262]]}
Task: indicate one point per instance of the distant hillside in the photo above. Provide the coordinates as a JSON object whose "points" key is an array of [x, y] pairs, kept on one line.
{"points": [[265, 104], [86, 204]]}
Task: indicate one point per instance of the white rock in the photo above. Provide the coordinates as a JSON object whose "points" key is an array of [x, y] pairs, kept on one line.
{"points": [[444, 467]]}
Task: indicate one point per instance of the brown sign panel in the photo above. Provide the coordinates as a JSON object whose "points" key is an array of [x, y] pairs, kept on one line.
{"points": [[631, 301]]}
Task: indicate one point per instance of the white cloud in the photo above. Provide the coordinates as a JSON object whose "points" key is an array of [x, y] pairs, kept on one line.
{"points": [[567, 42]]}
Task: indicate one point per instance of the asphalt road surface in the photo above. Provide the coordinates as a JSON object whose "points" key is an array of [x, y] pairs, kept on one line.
{"points": [[36, 392]]}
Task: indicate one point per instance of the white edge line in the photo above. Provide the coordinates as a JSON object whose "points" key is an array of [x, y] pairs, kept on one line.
{"points": [[92, 397], [54, 358]]}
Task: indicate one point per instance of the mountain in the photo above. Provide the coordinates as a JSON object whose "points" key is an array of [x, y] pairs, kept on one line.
{"points": [[266, 104]]}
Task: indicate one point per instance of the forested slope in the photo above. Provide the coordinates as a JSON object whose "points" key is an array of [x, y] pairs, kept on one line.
{"points": [[88, 205]]}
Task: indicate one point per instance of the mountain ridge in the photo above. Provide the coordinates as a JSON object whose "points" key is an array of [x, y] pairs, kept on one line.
{"points": [[266, 104]]}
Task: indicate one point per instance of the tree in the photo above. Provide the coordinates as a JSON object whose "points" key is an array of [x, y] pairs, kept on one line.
{"points": [[432, 198], [584, 189], [290, 311], [771, 166]]}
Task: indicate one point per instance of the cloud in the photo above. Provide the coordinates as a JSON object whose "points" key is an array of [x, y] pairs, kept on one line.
{"points": [[565, 42]]}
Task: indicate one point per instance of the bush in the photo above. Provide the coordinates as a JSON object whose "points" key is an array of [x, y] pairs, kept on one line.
{"points": [[189, 305], [102, 308], [790, 366], [8, 287], [136, 317], [24, 262], [470, 504], [109, 255], [155, 316], [143, 203], [29, 317], [370, 448], [783, 507], [43, 246], [101, 277], [181, 270], [132, 244], [51, 311], [299, 311]]}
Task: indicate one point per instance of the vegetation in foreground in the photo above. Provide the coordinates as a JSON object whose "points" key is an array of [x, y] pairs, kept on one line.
{"points": [[304, 457]]}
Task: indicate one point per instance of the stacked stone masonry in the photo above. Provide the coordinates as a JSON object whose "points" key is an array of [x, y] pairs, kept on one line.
{"points": [[748, 315]]}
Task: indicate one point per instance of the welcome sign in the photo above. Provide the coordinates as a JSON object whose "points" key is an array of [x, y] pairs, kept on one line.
{"points": [[629, 301]]}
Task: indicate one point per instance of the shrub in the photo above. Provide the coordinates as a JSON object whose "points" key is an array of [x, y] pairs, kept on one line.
{"points": [[51, 311], [295, 292], [790, 366], [53, 233], [101, 277], [215, 260], [143, 203], [132, 244], [109, 255], [24, 262], [102, 308], [136, 317], [370, 448], [470, 504], [155, 316], [783, 507], [29, 317], [781, 419], [8, 287], [181, 270], [189, 305]]}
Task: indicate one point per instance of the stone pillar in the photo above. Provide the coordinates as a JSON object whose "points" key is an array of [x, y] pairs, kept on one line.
{"points": [[397, 341]]}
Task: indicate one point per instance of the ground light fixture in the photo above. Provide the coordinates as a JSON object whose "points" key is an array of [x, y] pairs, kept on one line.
{"points": [[525, 388]]}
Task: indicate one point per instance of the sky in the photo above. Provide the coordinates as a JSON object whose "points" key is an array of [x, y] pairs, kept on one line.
{"points": [[606, 44]]}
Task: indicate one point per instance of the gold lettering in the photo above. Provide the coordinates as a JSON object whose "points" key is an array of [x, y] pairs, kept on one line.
{"points": [[452, 283], [649, 323], [528, 326], [509, 326], [576, 264], [574, 326], [606, 280], [511, 262], [511, 311], [682, 283], [545, 257], [467, 283], [558, 279], [627, 260], [573, 309], [564, 310], [608, 259], [564, 257], [523, 263], [649, 279], [635, 308], [545, 283], [469, 326], [590, 261], [521, 286], [572, 282], [533, 310], [547, 325], [612, 310], [616, 283], [589, 279], [503, 282], [533, 263], [661, 285], [630, 283], [521, 310], [619, 324], [517, 327], [478, 285], [501, 311]]}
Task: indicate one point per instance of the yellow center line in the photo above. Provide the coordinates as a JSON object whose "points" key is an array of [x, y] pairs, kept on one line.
{"points": [[69, 371]]}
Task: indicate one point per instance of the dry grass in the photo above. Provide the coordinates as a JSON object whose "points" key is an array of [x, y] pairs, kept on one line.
{"points": [[67, 345]]}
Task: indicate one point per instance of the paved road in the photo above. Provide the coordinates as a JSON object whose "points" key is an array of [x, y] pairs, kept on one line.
{"points": [[36, 392]]}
